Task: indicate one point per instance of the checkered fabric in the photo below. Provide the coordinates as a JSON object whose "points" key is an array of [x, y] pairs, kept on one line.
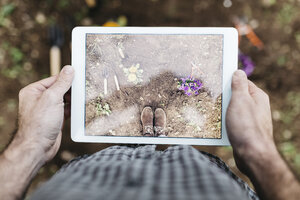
{"points": [[122, 172]]}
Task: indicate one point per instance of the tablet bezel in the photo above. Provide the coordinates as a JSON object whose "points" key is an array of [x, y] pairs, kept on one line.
{"points": [[230, 64]]}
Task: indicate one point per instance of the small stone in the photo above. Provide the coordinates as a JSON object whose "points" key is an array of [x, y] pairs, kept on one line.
{"points": [[27, 66], [276, 115], [86, 22], [40, 18], [29, 25], [227, 3], [34, 53], [287, 134], [268, 3], [254, 23], [67, 155], [141, 98]]}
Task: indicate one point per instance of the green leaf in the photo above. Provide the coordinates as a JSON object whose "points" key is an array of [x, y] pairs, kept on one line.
{"points": [[288, 149], [6, 10], [281, 60], [297, 160], [63, 4], [16, 54]]}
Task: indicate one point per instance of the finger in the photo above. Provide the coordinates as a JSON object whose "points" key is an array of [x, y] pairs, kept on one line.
{"points": [[253, 91], [252, 88], [239, 83], [64, 81], [257, 94], [43, 84]]}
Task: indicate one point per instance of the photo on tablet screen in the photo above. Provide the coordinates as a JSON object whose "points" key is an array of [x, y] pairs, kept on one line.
{"points": [[182, 74]]}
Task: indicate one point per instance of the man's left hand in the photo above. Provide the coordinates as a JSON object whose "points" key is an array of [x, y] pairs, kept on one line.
{"points": [[41, 113]]}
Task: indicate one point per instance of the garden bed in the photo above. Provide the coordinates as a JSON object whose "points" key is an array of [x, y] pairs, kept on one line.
{"points": [[150, 71]]}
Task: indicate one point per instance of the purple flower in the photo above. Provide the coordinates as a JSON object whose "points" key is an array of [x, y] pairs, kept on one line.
{"points": [[190, 86], [246, 63]]}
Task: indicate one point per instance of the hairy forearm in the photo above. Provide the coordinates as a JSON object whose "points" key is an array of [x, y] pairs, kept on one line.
{"points": [[271, 176], [18, 165]]}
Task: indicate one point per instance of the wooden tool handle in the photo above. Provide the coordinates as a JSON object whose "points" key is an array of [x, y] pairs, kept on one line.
{"points": [[91, 3], [55, 60], [105, 86], [117, 82]]}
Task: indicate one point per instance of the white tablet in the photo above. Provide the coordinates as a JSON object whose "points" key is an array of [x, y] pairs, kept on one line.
{"points": [[120, 70]]}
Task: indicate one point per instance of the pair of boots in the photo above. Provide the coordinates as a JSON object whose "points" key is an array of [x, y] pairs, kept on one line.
{"points": [[160, 120]]}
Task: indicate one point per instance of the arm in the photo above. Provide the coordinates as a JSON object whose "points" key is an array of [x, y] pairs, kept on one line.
{"points": [[250, 131], [41, 114]]}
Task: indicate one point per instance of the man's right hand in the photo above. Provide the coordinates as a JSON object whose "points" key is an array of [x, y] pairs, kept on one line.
{"points": [[248, 121], [249, 128]]}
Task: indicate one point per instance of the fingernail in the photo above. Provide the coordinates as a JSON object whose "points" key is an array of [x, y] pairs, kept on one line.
{"points": [[68, 69]]}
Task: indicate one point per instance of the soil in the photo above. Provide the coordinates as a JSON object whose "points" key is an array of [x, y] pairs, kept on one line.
{"points": [[156, 62]]}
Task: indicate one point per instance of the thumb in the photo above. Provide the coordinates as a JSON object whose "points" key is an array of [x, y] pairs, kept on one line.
{"points": [[239, 82], [64, 81]]}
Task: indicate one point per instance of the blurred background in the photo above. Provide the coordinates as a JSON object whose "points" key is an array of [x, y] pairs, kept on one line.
{"points": [[269, 53]]}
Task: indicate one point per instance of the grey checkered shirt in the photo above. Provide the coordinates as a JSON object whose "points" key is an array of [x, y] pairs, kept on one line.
{"points": [[122, 172]]}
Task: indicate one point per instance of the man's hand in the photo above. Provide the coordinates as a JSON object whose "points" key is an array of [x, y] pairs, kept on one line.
{"points": [[41, 112], [41, 115], [248, 119], [249, 128]]}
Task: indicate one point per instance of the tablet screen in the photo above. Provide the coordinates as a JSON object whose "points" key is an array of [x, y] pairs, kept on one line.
{"points": [[182, 74]]}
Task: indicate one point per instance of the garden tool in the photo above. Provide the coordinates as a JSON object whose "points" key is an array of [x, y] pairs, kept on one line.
{"points": [[56, 41], [245, 29], [116, 82], [105, 77], [91, 3]]}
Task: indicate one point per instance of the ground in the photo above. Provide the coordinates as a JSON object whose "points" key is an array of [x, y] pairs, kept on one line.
{"points": [[148, 69], [24, 57]]}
